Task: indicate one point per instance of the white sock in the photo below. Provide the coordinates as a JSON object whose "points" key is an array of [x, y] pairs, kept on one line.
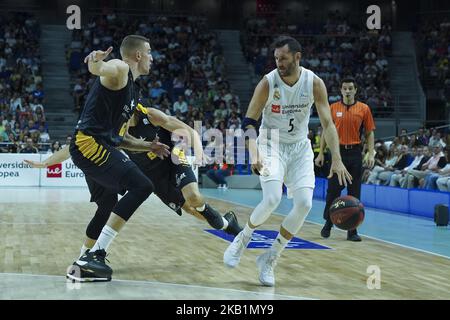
{"points": [[247, 231], [225, 223], [106, 237], [83, 249], [201, 209], [279, 244]]}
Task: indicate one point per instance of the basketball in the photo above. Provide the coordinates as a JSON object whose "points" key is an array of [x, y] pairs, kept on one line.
{"points": [[347, 213]]}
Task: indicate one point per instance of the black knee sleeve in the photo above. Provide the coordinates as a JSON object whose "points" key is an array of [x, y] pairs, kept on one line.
{"points": [[105, 206], [139, 188]]}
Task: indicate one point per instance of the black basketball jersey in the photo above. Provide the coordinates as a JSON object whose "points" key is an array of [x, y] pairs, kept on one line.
{"points": [[144, 129], [106, 112]]}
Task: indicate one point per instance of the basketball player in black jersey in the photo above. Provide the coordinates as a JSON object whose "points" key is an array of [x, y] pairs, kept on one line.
{"points": [[174, 180], [102, 128]]}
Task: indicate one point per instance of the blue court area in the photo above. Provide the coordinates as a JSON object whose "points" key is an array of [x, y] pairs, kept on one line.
{"points": [[262, 239], [415, 232]]}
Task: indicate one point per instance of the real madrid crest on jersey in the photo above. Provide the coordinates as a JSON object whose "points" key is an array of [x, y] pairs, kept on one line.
{"points": [[276, 93]]}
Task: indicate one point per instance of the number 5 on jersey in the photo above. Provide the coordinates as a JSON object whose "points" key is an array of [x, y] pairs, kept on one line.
{"points": [[291, 125]]}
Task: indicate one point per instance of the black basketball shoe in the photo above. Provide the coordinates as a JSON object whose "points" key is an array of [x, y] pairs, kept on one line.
{"points": [[90, 267], [233, 225], [352, 235], [212, 217], [326, 230]]}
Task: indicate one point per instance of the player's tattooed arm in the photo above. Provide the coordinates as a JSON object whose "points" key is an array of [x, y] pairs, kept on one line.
{"points": [[58, 157]]}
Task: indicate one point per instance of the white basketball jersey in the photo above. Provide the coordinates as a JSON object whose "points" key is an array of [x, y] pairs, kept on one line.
{"points": [[288, 108]]}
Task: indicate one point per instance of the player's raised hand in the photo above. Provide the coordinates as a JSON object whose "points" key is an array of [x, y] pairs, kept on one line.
{"points": [[160, 149], [341, 171], [35, 164], [97, 55]]}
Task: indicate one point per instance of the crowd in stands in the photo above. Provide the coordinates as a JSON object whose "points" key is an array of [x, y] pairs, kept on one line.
{"points": [[418, 160], [188, 75], [434, 51], [22, 119], [332, 50]]}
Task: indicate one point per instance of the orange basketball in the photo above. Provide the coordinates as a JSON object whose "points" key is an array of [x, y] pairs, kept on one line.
{"points": [[347, 213]]}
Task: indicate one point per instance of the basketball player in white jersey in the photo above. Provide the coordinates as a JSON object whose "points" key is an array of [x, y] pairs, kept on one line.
{"points": [[284, 98]]}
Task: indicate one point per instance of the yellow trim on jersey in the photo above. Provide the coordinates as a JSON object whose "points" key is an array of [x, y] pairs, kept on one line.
{"points": [[98, 153], [105, 159], [123, 129], [141, 108], [101, 157], [180, 154], [95, 152], [151, 155], [86, 144]]}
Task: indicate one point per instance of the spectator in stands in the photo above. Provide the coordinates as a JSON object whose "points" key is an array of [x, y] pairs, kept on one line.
{"points": [[68, 140], [180, 105], [29, 147], [400, 164], [218, 173], [44, 137], [413, 141], [422, 137], [435, 139], [398, 177], [221, 113], [429, 182], [404, 139], [55, 147], [390, 161], [436, 162], [443, 181]]}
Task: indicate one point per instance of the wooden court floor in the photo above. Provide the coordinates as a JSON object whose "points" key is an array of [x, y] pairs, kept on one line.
{"points": [[158, 246]]}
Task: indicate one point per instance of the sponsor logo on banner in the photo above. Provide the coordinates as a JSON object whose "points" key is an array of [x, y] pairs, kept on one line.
{"points": [[54, 171], [276, 108], [65, 174]]}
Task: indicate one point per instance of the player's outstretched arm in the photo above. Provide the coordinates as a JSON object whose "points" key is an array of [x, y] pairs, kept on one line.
{"points": [[253, 114], [172, 124], [330, 133], [140, 145], [58, 157]]}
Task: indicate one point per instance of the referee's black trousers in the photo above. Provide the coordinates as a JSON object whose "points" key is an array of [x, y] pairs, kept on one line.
{"points": [[352, 160]]}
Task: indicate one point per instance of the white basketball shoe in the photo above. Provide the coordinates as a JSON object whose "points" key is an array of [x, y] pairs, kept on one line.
{"points": [[233, 253], [266, 264]]}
